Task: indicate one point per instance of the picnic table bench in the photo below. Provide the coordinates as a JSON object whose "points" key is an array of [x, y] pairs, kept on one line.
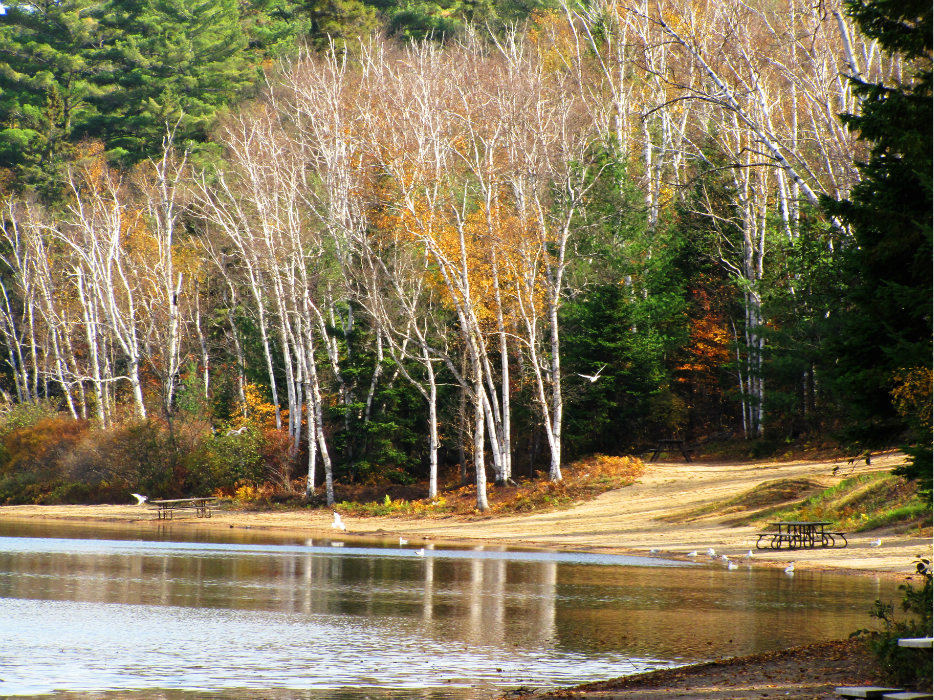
{"points": [[165, 509], [800, 533], [666, 445]]}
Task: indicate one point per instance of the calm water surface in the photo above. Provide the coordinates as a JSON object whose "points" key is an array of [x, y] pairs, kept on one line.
{"points": [[187, 614]]}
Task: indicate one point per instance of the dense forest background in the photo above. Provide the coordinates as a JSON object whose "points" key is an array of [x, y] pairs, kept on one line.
{"points": [[373, 242]]}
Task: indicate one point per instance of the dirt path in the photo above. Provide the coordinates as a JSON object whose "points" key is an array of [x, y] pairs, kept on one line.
{"points": [[632, 519]]}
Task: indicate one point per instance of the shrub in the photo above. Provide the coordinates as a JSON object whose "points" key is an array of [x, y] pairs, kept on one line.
{"points": [[900, 665]]}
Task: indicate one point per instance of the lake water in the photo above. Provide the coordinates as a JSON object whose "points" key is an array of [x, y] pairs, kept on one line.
{"points": [[180, 613]]}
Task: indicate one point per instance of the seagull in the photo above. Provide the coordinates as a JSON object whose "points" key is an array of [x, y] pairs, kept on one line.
{"points": [[337, 544], [239, 431], [419, 552], [140, 499], [748, 555], [711, 553], [338, 524], [790, 569], [654, 551], [731, 566], [692, 554], [592, 377], [402, 541], [876, 543], [724, 557]]}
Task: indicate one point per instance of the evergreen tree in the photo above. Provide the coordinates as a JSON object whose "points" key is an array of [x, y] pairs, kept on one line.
{"points": [[166, 62], [45, 85], [886, 326]]}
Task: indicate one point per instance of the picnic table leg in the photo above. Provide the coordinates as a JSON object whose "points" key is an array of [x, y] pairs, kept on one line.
{"points": [[684, 452]]}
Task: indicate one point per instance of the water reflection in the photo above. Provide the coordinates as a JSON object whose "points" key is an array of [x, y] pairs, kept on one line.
{"points": [[96, 614]]}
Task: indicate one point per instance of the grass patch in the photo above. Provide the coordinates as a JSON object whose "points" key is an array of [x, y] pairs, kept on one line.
{"points": [[860, 503], [583, 480], [768, 493]]}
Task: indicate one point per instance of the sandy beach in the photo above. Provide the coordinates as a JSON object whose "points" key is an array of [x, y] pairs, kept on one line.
{"points": [[657, 512], [635, 519]]}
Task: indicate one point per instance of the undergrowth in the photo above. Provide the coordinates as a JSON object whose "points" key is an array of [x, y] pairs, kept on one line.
{"points": [[860, 503], [583, 480]]}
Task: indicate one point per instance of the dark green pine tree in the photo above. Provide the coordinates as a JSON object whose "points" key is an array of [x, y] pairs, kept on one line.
{"points": [[46, 82], [887, 322], [165, 62]]}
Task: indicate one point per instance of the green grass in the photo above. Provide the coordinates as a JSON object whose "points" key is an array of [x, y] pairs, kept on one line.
{"points": [[860, 503]]}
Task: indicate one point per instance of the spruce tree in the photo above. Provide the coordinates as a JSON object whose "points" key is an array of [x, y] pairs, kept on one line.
{"points": [[886, 325]]}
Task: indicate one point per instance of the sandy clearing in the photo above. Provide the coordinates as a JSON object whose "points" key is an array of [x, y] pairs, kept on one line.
{"points": [[626, 520]]}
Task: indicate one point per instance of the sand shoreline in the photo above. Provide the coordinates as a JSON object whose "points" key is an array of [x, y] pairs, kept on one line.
{"points": [[632, 520]]}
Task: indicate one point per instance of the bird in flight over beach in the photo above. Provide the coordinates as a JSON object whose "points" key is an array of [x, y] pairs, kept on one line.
{"points": [[338, 524], [239, 431], [140, 498], [592, 377]]}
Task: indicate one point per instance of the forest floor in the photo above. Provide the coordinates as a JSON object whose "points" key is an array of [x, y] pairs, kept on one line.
{"points": [[674, 506]]}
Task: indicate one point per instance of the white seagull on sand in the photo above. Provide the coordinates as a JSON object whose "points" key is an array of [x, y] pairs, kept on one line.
{"points": [[338, 524], [140, 498], [692, 554], [876, 543], [402, 541], [748, 555], [592, 377], [711, 552], [654, 551]]}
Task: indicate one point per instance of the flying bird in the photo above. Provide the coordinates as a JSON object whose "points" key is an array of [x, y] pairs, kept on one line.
{"points": [[140, 498], [790, 568], [239, 431], [592, 377], [338, 524], [876, 543]]}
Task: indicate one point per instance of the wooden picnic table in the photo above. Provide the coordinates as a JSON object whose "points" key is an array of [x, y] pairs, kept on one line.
{"points": [[800, 533], [666, 445], [165, 509]]}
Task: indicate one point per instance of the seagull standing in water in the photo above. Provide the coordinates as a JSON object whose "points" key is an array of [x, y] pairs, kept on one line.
{"points": [[402, 541], [338, 524], [790, 569], [731, 566], [592, 377], [140, 498], [748, 555], [419, 552]]}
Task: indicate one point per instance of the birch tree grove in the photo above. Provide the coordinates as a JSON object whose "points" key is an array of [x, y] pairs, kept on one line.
{"points": [[396, 246]]}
